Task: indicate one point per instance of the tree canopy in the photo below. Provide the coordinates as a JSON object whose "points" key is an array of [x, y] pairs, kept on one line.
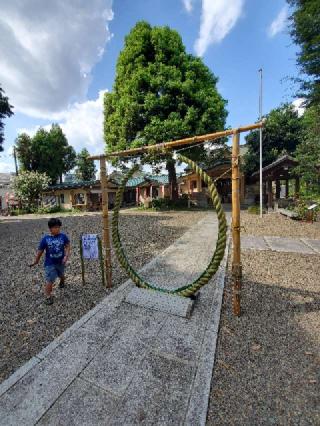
{"points": [[308, 152], [305, 31], [5, 111], [160, 93], [46, 152], [282, 133], [85, 168]]}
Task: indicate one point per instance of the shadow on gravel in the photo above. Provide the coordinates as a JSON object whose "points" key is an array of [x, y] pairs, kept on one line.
{"points": [[268, 364]]}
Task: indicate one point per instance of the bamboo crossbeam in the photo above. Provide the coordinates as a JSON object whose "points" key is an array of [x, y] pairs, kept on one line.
{"points": [[178, 143]]}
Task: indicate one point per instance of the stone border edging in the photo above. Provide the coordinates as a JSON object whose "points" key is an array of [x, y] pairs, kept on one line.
{"points": [[199, 399]]}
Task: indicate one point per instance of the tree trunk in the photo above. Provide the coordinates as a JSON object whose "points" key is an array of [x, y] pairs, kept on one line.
{"points": [[170, 166]]}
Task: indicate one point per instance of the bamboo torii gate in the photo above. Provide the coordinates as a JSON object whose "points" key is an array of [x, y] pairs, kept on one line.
{"points": [[235, 164]]}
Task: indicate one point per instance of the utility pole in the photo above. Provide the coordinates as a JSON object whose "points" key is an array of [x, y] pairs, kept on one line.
{"points": [[15, 160], [260, 115]]}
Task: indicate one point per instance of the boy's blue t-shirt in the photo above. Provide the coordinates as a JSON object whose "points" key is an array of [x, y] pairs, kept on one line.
{"points": [[54, 246]]}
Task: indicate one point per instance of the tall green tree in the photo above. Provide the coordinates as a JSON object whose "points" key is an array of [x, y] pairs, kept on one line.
{"points": [[5, 111], [85, 168], [282, 133], [308, 152], [160, 93], [305, 31], [24, 150], [46, 152]]}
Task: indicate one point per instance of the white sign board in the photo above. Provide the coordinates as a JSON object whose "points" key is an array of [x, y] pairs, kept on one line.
{"points": [[313, 206], [90, 248]]}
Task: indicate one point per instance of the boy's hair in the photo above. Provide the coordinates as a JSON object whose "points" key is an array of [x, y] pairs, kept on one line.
{"points": [[54, 221]]}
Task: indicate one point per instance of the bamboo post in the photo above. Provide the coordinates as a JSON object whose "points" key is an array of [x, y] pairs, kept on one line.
{"points": [[101, 261], [105, 220], [236, 261]]}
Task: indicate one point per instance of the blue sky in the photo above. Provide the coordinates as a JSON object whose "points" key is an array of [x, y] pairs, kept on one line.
{"points": [[58, 60]]}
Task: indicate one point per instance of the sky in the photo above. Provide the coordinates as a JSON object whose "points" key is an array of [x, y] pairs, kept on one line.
{"points": [[58, 58]]}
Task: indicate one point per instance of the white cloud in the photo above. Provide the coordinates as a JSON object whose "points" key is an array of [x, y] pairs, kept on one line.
{"points": [[48, 50], [298, 106], [7, 161], [82, 124], [279, 23], [217, 19], [188, 4]]}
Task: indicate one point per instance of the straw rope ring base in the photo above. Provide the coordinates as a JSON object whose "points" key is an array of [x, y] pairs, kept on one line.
{"points": [[188, 289]]}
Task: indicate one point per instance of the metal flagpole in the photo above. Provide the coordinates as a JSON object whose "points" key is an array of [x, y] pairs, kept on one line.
{"points": [[260, 113]]}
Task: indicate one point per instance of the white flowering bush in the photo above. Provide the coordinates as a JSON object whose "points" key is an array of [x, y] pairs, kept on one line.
{"points": [[28, 187]]}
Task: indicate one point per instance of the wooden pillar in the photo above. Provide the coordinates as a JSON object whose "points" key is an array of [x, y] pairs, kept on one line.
{"points": [[278, 189], [236, 260], [105, 220], [199, 184], [297, 186], [270, 195], [287, 188]]}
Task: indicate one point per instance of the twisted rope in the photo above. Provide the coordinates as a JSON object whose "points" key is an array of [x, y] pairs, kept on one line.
{"points": [[211, 269]]}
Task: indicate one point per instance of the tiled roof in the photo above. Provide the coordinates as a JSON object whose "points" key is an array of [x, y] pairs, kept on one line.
{"points": [[77, 184], [135, 182], [132, 183], [286, 158], [163, 179]]}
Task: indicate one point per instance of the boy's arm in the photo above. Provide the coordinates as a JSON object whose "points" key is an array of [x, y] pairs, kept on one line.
{"points": [[67, 253], [37, 259]]}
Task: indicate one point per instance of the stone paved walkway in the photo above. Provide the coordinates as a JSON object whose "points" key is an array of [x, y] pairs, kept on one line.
{"points": [[122, 364], [281, 244]]}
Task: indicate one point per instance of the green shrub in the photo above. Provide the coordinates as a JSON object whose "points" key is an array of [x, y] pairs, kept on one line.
{"points": [[166, 203], [302, 209], [46, 210], [18, 212], [255, 209], [160, 203]]}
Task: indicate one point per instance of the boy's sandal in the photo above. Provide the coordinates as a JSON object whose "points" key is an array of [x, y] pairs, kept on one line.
{"points": [[49, 300]]}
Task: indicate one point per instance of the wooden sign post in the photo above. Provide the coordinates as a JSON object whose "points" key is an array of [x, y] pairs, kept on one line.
{"points": [[91, 248]]}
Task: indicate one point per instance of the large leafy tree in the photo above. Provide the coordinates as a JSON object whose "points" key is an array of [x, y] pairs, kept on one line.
{"points": [[85, 168], [5, 111], [160, 93], [282, 133], [305, 31], [46, 152], [308, 152]]}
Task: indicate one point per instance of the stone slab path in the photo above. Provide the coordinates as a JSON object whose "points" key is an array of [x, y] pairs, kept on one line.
{"points": [[122, 364], [281, 244]]}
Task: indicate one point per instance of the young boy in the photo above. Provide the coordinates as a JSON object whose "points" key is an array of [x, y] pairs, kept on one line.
{"points": [[57, 247]]}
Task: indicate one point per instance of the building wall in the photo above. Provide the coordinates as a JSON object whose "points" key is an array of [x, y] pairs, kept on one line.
{"points": [[3, 202], [192, 184], [75, 198]]}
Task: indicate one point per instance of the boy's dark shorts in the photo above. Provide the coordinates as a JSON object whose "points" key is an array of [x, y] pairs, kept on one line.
{"points": [[53, 272]]}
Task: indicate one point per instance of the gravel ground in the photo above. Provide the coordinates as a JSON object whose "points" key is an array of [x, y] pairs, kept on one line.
{"points": [[275, 224], [267, 369], [27, 325]]}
